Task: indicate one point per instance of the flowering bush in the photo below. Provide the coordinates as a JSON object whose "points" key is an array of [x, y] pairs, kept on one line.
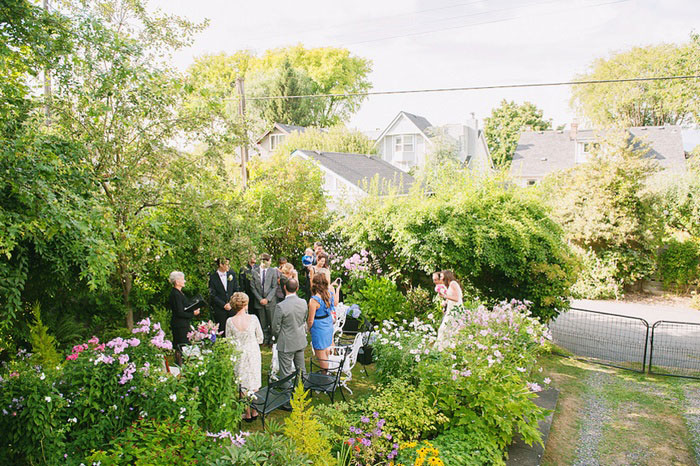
{"points": [[400, 346], [379, 298], [483, 379], [370, 444], [212, 376], [268, 448]]}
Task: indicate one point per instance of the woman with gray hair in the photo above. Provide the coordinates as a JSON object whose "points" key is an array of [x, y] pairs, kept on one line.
{"points": [[180, 320]]}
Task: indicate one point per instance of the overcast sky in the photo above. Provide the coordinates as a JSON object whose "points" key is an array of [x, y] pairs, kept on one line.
{"points": [[447, 43]]}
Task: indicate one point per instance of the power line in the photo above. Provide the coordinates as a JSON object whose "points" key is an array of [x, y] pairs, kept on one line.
{"points": [[472, 88]]}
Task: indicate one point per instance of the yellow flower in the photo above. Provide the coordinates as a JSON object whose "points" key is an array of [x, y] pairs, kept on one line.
{"points": [[408, 445]]}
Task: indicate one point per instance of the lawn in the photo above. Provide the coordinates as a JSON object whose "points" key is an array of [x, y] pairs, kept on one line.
{"points": [[610, 416]]}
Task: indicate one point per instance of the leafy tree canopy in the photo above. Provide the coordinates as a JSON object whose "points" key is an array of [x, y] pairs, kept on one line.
{"points": [[335, 139], [644, 103], [502, 129]]}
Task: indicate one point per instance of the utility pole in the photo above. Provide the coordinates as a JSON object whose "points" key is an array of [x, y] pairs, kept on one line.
{"points": [[244, 144], [47, 82]]}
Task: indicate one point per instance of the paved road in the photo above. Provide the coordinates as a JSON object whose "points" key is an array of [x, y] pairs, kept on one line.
{"points": [[621, 340]]}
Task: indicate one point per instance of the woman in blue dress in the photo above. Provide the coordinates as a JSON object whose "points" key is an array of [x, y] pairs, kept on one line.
{"points": [[320, 319]]}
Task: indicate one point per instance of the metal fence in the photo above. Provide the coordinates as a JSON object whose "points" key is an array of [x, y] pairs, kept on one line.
{"points": [[675, 349], [611, 339], [672, 348]]}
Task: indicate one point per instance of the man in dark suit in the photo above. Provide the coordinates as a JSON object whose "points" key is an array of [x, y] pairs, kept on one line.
{"points": [[222, 285], [244, 278], [263, 285]]}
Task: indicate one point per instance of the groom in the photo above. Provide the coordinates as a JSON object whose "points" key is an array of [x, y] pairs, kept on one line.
{"points": [[222, 285], [289, 328]]}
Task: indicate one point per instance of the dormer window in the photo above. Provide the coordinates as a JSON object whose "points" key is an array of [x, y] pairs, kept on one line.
{"points": [[404, 143], [584, 150]]}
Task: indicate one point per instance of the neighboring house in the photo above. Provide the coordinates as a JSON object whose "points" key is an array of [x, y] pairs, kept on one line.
{"points": [[349, 176], [409, 138], [272, 139], [540, 153]]}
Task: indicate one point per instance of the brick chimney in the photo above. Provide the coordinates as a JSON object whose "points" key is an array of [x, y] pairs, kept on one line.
{"points": [[574, 130]]}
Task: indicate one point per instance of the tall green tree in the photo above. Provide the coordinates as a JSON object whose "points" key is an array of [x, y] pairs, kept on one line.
{"points": [[285, 81], [117, 99], [502, 129], [643, 103], [335, 139]]}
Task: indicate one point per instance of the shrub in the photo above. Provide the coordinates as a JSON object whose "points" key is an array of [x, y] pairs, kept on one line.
{"points": [[419, 303], [597, 279], [498, 241], [32, 421], [261, 448], [469, 446], [679, 264], [379, 299], [305, 430], [148, 441], [409, 413], [212, 375], [43, 344], [491, 345], [398, 348]]}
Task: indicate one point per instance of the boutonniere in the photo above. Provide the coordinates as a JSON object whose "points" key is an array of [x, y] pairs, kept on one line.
{"points": [[230, 277]]}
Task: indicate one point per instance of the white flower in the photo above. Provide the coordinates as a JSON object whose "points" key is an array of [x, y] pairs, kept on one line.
{"points": [[42, 376], [430, 316], [547, 380], [173, 397], [48, 399], [521, 369]]}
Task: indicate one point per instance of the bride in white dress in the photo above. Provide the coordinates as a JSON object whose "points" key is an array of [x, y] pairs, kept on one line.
{"points": [[452, 297], [245, 332]]}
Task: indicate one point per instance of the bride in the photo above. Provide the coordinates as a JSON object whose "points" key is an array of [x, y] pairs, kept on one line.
{"points": [[452, 294]]}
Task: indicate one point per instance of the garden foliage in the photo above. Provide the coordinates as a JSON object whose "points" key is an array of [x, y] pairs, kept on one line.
{"points": [[679, 264], [304, 429]]}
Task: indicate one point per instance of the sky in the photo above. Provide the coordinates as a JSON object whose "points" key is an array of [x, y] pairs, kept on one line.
{"points": [[419, 44]]}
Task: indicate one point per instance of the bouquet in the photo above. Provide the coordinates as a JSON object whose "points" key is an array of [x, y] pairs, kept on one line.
{"points": [[440, 288], [206, 331]]}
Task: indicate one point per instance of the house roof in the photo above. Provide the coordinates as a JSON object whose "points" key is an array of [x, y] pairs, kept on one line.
{"points": [[361, 169], [421, 123], [542, 152], [287, 129]]}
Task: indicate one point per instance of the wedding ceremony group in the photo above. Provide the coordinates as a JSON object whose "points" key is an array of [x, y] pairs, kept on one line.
{"points": [[240, 233]]}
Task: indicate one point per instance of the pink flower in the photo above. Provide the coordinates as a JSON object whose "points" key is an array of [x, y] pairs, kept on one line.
{"points": [[440, 288], [70, 357], [134, 342], [94, 340], [123, 359]]}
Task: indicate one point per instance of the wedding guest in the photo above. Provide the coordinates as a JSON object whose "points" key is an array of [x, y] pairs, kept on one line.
{"points": [[307, 261], [320, 319], [180, 320], [286, 272], [321, 267], [453, 297], [222, 285], [289, 330], [318, 249], [244, 331], [245, 275], [264, 288]]}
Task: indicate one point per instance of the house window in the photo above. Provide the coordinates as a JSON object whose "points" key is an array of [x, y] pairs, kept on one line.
{"points": [[531, 182], [584, 149], [276, 140], [404, 143]]}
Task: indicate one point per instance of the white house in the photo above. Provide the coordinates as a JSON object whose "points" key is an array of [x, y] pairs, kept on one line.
{"points": [[273, 138], [347, 177], [409, 138]]}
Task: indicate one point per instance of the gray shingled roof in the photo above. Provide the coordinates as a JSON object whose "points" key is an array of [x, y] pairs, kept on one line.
{"points": [[542, 152], [291, 128], [421, 122], [360, 170]]}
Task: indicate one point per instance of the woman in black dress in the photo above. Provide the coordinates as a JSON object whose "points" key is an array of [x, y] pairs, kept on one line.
{"points": [[180, 320]]}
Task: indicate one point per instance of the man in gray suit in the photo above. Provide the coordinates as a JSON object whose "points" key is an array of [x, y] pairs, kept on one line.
{"points": [[264, 288], [289, 329]]}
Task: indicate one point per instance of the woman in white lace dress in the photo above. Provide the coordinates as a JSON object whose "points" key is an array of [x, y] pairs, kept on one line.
{"points": [[453, 297], [245, 332]]}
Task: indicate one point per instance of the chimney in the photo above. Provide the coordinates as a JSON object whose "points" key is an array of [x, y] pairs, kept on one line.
{"points": [[574, 129], [472, 122]]}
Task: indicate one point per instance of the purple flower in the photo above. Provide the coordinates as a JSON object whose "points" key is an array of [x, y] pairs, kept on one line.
{"points": [[364, 419], [351, 441], [375, 415], [380, 423], [352, 429], [366, 442]]}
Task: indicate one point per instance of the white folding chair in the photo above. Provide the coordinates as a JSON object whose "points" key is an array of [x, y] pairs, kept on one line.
{"points": [[352, 351], [275, 363], [341, 313]]}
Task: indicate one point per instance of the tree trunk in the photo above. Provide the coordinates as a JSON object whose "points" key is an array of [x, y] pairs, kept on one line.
{"points": [[126, 281]]}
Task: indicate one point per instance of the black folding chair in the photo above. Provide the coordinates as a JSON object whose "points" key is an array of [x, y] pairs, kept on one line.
{"points": [[326, 380], [275, 395]]}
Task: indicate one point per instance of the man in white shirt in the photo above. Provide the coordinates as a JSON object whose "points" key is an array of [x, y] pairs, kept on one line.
{"points": [[222, 285], [264, 289]]}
